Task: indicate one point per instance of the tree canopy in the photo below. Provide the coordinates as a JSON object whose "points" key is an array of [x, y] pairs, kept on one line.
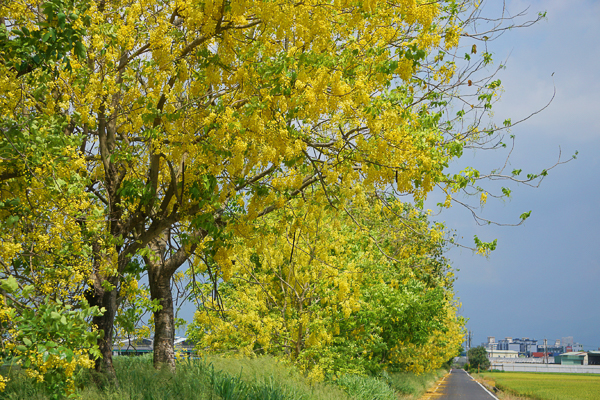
{"points": [[478, 358], [313, 287], [138, 137]]}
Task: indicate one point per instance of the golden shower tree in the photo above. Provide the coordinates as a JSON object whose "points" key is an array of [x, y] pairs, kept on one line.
{"points": [[336, 293], [181, 122]]}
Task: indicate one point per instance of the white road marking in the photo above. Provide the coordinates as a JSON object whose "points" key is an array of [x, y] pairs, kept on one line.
{"points": [[483, 387]]}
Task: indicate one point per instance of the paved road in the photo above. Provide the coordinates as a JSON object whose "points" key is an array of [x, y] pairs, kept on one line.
{"points": [[458, 385]]}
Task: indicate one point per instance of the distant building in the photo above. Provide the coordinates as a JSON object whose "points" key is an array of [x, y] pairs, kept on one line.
{"points": [[503, 344], [552, 350], [593, 357], [566, 341], [137, 346], [569, 345], [572, 358], [540, 355], [132, 346], [184, 345], [490, 344], [524, 346], [502, 354]]}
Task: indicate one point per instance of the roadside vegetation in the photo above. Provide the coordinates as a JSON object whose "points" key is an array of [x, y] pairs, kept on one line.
{"points": [[544, 386], [262, 378]]}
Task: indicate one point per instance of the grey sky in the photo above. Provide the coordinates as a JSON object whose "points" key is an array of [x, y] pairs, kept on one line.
{"points": [[543, 278]]}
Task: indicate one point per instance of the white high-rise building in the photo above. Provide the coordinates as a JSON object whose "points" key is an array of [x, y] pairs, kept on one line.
{"points": [[491, 343], [567, 341]]}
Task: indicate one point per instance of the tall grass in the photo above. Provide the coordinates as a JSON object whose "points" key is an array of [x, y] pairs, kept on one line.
{"points": [[267, 371], [229, 379], [411, 385], [262, 378], [21, 387], [366, 388], [139, 380]]}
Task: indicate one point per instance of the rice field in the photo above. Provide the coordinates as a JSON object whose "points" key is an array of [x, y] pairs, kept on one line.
{"points": [[546, 386]]}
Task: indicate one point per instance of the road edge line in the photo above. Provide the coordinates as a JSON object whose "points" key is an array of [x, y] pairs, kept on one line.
{"points": [[483, 387]]}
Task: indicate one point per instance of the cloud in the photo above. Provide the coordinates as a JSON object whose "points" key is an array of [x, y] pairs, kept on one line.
{"points": [[560, 52]]}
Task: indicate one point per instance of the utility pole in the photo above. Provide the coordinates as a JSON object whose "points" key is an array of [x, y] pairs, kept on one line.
{"points": [[545, 351], [467, 346], [468, 343]]}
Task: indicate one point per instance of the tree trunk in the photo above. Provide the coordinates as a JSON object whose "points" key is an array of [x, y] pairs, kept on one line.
{"points": [[160, 272], [108, 300], [164, 321]]}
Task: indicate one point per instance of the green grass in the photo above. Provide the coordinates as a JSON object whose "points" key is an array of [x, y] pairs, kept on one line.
{"points": [[547, 386], [411, 385], [214, 378], [366, 388], [262, 378], [267, 370], [228, 379]]}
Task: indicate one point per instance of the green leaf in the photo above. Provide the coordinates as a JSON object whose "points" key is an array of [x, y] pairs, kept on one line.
{"points": [[526, 215], [9, 284], [13, 219], [106, 285], [27, 342], [61, 19], [79, 50], [27, 290], [95, 352]]}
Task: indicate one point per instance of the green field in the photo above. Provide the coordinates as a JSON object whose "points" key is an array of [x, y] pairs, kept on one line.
{"points": [[547, 386]]}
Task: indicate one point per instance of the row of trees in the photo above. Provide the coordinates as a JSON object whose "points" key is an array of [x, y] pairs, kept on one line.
{"points": [[138, 139], [315, 288]]}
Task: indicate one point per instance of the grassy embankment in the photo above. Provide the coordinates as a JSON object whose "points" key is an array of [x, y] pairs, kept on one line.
{"points": [[545, 386], [229, 379]]}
